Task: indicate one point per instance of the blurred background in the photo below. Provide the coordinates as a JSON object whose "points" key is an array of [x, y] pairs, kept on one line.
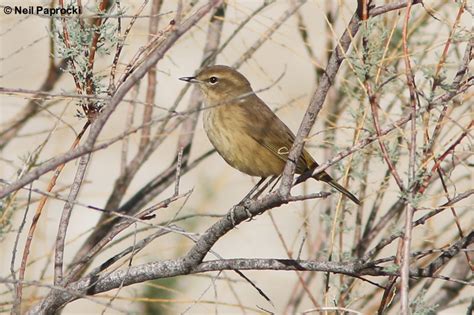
{"points": [[298, 37]]}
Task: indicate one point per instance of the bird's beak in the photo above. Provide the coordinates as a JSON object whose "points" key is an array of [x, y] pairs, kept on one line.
{"points": [[189, 79]]}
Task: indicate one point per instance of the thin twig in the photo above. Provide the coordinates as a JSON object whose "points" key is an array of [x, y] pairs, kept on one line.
{"points": [[34, 223], [65, 217]]}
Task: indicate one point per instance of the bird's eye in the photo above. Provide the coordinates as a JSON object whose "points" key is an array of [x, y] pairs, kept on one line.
{"points": [[213, 80]]}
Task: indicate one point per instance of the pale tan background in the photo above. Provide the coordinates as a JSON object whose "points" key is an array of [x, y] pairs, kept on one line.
{"points": [[216, 186]]}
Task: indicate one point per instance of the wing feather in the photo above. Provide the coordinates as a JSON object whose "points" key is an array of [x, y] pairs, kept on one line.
{"points": [[272, 133]]}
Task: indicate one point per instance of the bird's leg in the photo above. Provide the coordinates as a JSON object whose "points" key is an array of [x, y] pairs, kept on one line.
{"points": [[259, 192], [250, 193], [278, 177], [248, 196], [267, 184]]}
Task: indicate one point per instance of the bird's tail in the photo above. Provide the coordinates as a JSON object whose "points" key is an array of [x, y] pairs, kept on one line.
{"points": [[344, 191], [323, 176]]}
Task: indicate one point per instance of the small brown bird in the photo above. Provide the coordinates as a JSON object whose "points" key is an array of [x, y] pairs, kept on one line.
{"points": [[245, 131]]}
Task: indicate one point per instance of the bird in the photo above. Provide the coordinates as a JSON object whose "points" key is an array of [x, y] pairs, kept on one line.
{"points": [[247, 134]]}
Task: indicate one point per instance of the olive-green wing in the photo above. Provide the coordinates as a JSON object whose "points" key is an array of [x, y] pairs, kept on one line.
{"points": [[272, 133]]}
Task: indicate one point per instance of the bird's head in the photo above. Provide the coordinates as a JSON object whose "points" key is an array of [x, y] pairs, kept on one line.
{"points": [[221, 83]]}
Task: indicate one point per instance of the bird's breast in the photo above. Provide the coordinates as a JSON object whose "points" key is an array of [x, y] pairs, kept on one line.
{"points": [[227, 129], [221, 132]]}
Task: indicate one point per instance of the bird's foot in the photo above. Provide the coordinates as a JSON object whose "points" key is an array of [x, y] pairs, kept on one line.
{"points": [[244, 205], [232, 215], [249, 214]]}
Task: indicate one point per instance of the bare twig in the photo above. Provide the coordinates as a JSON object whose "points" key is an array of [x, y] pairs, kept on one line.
{"points": [[151, 89], [410, 208], [99, 123], [317, 102], [39, 208], [66, 215]]}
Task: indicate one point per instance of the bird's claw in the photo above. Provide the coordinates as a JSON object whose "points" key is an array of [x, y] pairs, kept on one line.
{"points": [[249, 214], [244, 206], [232, 216]]}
